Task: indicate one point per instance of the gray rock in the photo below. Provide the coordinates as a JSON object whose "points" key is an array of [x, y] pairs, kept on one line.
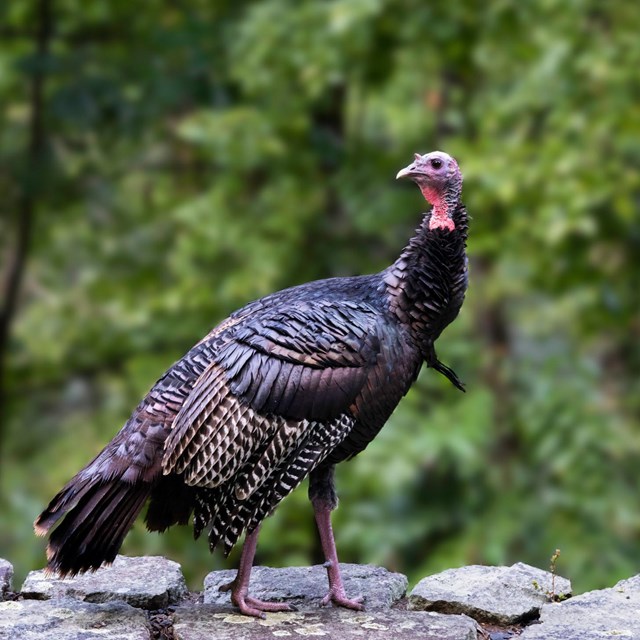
{"points": [[69, 619], [501, 595], [608, 613], [305, 587], [210, 622], [6, 575], [149, 582]]}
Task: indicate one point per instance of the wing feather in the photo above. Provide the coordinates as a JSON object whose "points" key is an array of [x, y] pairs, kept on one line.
{"points": [[275, 373]]}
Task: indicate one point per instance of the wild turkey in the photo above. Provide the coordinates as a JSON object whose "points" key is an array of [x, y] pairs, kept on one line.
{"points": [[286, 387]]}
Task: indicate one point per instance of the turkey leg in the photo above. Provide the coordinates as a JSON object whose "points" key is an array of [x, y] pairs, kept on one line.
{"points": [[336, 594], [240, 586], [324, 499]]}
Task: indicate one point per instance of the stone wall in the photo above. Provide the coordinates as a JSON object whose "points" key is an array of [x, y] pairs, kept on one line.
{"points": [[147, 599]]}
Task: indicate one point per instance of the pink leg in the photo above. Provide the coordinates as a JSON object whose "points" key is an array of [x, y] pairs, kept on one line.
{"points": [[240, 586], [336, 594]]}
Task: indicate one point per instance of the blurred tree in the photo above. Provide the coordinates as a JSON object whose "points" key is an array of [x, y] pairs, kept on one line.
{"points": [[30, 178], [203, 154]]}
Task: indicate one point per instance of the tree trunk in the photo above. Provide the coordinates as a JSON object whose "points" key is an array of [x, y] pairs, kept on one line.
{"points": [[26, 204]]}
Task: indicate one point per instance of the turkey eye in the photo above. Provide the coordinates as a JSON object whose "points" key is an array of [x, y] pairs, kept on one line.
{"points": [[436, 163]]}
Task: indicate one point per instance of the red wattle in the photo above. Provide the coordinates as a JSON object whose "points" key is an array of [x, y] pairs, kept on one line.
{"points": [[440, 218]]}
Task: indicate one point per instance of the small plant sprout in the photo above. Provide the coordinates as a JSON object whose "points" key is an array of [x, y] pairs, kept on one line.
{"points": [[551, 593], [552, 568]]}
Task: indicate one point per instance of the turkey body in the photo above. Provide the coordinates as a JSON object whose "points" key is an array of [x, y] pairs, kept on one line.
{"points": [[287, 386]]}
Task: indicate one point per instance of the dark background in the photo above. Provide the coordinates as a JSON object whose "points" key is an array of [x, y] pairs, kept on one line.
{"points": [[163, 163]]}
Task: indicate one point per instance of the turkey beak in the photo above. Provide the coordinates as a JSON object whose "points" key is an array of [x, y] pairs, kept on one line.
{"points": [[411, 170]]}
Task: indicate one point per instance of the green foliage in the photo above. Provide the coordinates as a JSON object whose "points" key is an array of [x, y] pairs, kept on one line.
{"points": [[200, 156]]}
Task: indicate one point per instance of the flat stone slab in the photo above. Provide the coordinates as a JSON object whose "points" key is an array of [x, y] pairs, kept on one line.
{"points": [[607, 613], [149, 582], [500, 595], [304, 587], [69, 619], [6, 576], [209, 622]]}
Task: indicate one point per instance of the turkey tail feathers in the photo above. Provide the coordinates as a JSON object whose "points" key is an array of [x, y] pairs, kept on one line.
{"points": [[98, 514]]}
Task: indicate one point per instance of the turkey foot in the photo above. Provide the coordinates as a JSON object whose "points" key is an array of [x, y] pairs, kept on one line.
{"points": [[340, 599], [239, 587], [249, 605]]}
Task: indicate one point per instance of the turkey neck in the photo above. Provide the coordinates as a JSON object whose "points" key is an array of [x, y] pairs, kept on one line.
{"points": [[426, 284]]}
